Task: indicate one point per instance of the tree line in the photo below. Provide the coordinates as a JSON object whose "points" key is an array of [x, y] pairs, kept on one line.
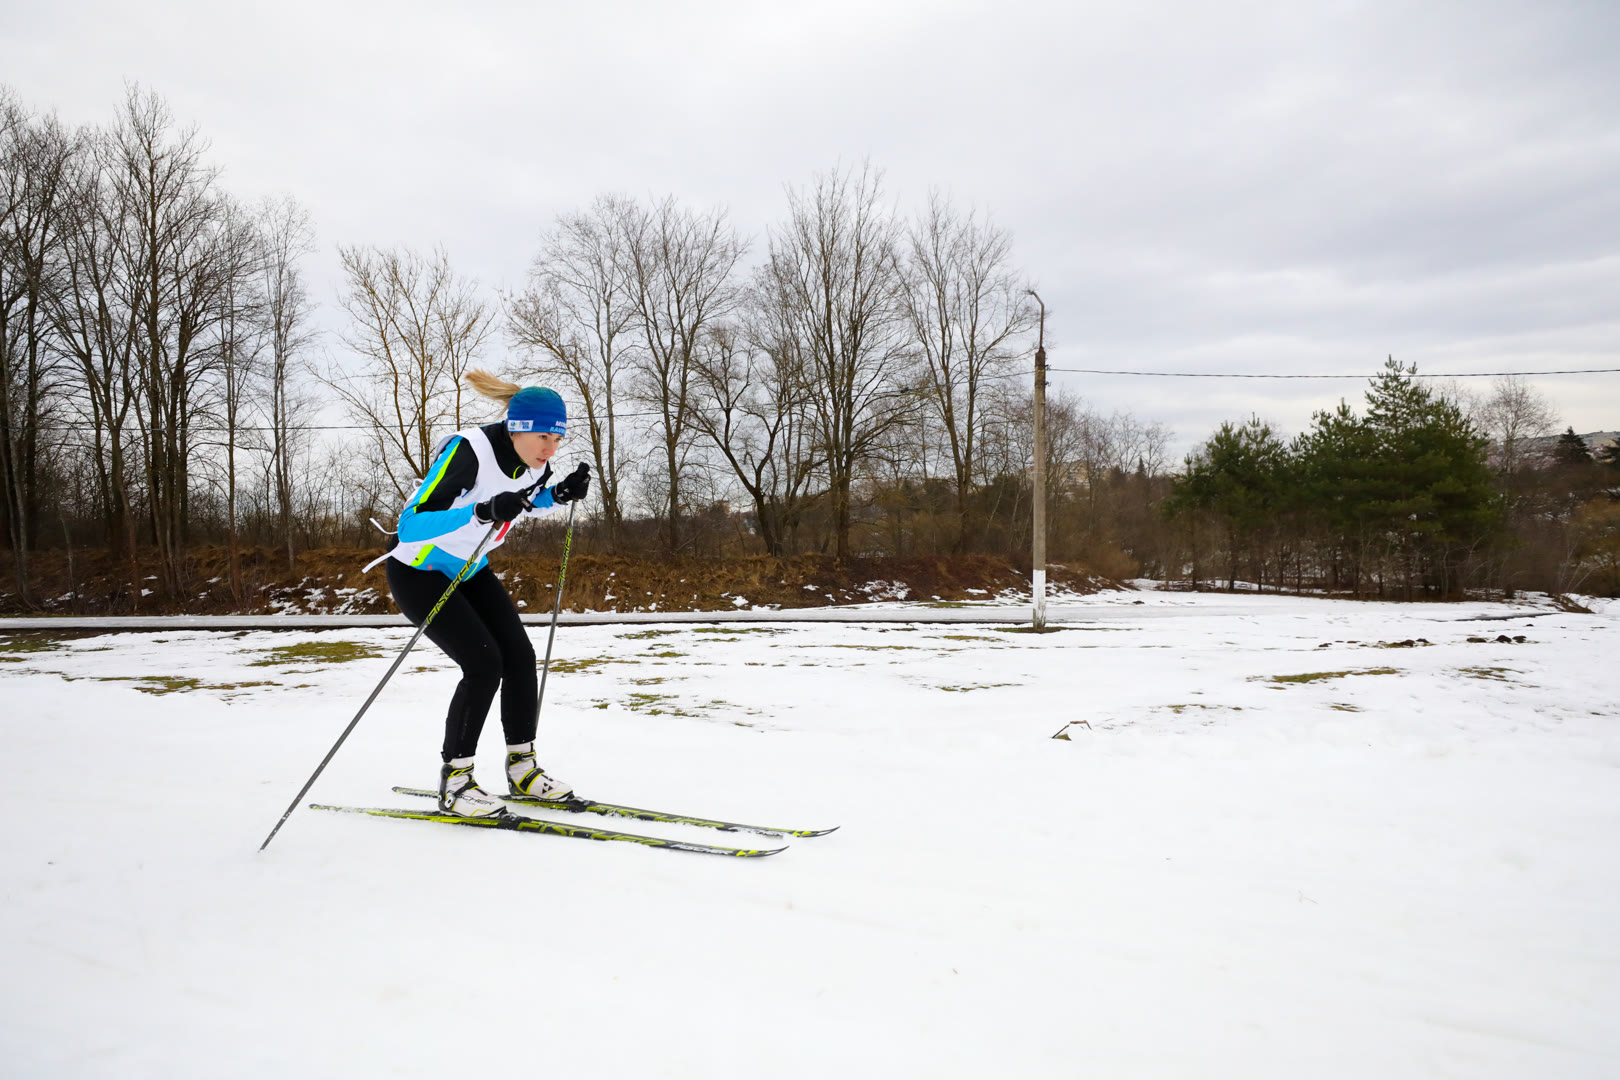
{"points": [[163, 379], [854, 382], [151, 327], [1424, 494]]}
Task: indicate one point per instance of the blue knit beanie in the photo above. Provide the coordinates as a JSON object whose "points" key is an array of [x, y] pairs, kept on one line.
{"points": [[534, 408]]}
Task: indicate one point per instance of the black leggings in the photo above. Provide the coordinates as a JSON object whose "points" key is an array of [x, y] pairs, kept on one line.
{"points": [[478, 628]]}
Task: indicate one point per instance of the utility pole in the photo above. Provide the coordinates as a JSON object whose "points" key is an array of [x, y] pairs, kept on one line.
{"points": [[1038, 534]]}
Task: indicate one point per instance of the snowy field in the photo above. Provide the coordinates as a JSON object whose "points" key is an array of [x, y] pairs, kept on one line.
{"points": [[1287, 845]]}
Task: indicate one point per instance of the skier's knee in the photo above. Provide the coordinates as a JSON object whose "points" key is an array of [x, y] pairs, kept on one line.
{"points": [[519, 655], [483, 666]]}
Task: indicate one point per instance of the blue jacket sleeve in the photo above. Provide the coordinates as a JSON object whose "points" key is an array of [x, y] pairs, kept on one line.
{"points": [[429, 513]]}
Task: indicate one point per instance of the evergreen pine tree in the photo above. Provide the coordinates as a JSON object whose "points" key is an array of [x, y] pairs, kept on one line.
{"points": [[1571, 449], [1239, 477], [1335, 462], [1431, 489], [1403, 494]]}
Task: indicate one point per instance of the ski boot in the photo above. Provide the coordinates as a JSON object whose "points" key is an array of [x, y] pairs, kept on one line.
{"points": [[525, 777], [460, 794]]}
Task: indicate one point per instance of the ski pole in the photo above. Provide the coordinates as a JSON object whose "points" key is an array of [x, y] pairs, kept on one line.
{"points": [[398, 661], [556, 606]]}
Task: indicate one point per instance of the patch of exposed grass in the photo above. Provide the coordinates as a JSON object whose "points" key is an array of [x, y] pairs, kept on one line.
{"points": [[168, 684], [643, 634], [319, 652], [976, 686], [651, 681], [869, 648], [160, 684], [668, 654], [584, 663], [1318, 676], [1179, 709], [655, 705], [176, 684], [1499, 674], [966, 637], [738, 630], [1342, 707], [1046, 629], [29, 643]]}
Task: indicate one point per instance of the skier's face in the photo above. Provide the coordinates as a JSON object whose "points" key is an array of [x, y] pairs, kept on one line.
{"points": [[535, 447]]}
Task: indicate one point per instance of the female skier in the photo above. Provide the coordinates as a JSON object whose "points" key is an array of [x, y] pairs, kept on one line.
{"points": [[483, 477]]}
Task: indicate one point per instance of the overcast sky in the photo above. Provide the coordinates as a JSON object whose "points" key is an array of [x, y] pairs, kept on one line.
{"points": [[1291, 187]]}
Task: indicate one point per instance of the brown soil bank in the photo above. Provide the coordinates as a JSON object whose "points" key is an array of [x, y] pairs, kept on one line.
{"points": [[330, 580]]}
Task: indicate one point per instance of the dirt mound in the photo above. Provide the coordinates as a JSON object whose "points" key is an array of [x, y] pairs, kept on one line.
{"points": [[329, 580]]}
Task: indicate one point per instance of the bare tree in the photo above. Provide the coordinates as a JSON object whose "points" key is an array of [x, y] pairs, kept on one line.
{"points": [[750, 400], [241, 341], [95, 324], [17, 178], [833, 270], [416, 327], [678, 269], [35, 156], [966, 307], [1144, 445], [1514, 415], [576, 320], [179, 255], [286, 236]]}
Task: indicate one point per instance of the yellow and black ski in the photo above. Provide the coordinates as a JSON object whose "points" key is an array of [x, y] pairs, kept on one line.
{"points": [[587, 806], [517, 823]]}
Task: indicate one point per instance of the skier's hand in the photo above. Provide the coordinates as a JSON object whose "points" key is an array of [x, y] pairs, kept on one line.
{"points": [[573, 486], [503, 507]]}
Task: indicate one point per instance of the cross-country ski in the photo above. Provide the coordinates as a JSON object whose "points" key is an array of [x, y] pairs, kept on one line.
{"points": [[591, 806], [516, 823]]}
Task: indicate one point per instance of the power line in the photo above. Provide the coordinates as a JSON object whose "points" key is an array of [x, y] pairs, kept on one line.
{"points": [[1002, 375], [1406, 374], [218, 429]]}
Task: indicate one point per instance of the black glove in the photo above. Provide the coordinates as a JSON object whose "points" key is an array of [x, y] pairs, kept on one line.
{"points": [[573, 486], [503, 507]]}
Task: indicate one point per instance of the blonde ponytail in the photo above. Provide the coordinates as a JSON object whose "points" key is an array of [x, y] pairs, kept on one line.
{"points": [[491, 387]]}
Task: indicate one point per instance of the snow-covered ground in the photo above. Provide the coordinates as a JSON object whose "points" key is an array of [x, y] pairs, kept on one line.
{"points": [[1287, 845]]}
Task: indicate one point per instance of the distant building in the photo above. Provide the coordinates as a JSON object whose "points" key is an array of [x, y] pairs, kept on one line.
{"points": [[1539, 452]]}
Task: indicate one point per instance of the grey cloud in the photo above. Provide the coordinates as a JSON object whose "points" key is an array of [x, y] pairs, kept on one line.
{"points": [[1304, 186]]}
